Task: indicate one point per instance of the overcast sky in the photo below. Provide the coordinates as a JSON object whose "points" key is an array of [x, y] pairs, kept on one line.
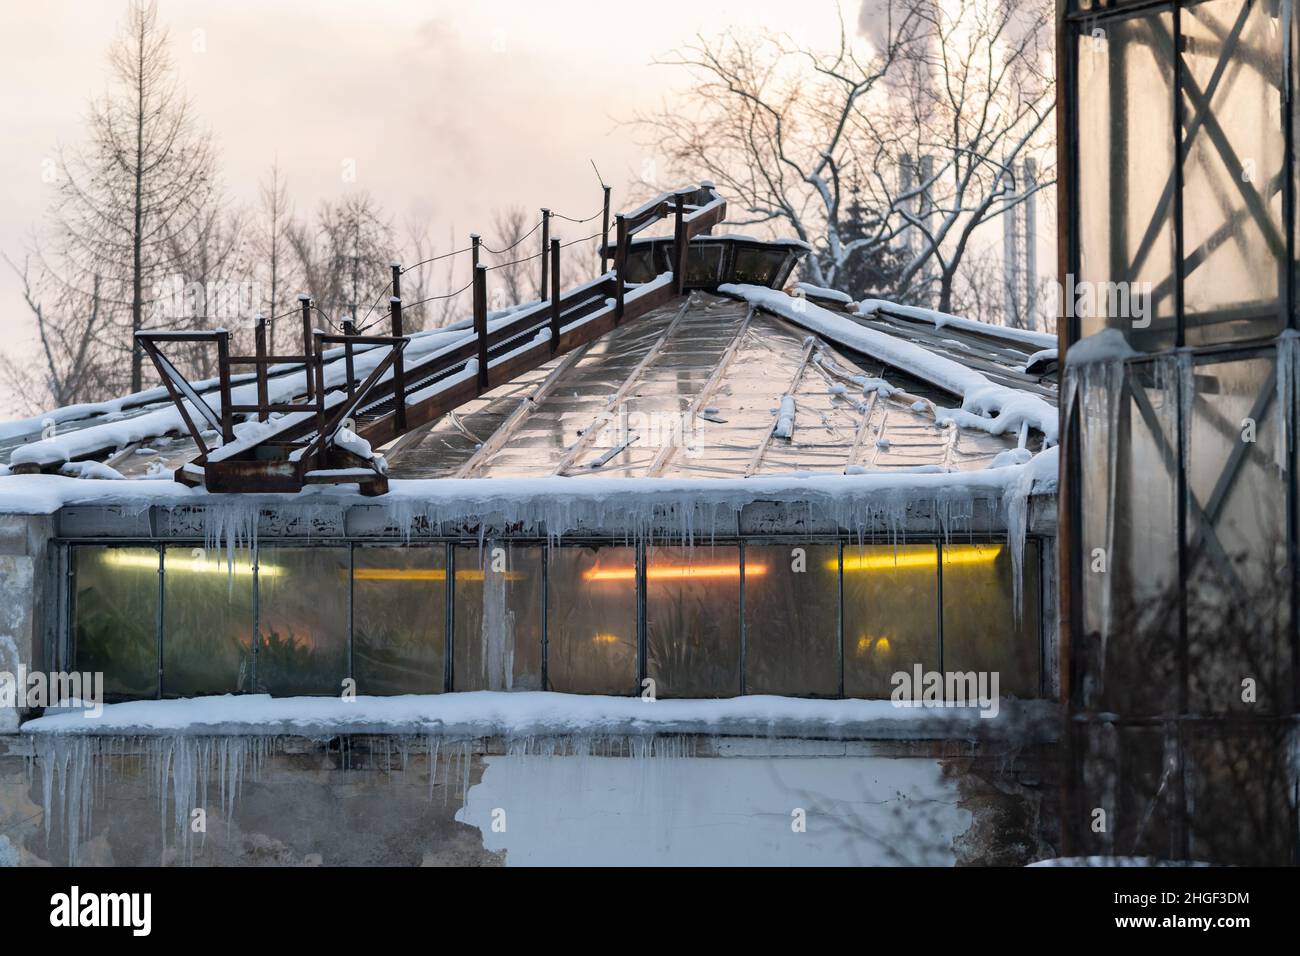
{"points": [[448, 108]]}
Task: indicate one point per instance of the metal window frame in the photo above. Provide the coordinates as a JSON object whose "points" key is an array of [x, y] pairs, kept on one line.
{"points": [[1073, 23], [69, 546]]}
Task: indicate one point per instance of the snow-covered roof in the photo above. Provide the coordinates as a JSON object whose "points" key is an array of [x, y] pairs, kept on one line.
{"points": [[742, 383]]}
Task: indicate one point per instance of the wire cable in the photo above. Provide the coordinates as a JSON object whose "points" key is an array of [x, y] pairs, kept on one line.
{"points": [[425, 262], [580, 221], [431, 298], [501, 252]]}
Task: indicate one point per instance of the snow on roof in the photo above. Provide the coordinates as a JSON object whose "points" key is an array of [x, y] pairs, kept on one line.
{"points": [[1037, 340], [986, 405], [477, 714], [101, 428], [705, 388]]}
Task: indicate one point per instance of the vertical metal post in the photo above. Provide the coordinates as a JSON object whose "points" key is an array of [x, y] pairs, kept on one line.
{"points": [[475, 240], [555, 295], [259, 347], [399, 366], [349, 329], [162, 596], [679, 243], [604, 234], [546, 244], [744, 624], [399, 362], [255, 559], [223, 371], [352, 574], [317, 363], [839, 602], [642, 666], [480, 324], [305, 301], [546, 614], [449, 637], [620, 260]]}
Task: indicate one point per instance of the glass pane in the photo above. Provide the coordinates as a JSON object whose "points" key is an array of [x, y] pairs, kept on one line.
{"points": [[115, 618], [1128, 654], [207, 622], [591, 620], [399, 619], [498, 617], [983, 629], [640, 265], [756, 266], [1238, 593], [1126, 181], [693, 621], [1240, 783], [703, 263], [1233, 244], [302, 615], [792, 611], [891, 615]]}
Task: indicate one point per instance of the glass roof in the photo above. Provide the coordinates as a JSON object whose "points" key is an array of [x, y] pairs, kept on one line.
{"points": [[708, 387]]}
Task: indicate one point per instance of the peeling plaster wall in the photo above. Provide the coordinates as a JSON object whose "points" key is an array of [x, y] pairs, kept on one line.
{"points": [[365, 802], [26, 598]]}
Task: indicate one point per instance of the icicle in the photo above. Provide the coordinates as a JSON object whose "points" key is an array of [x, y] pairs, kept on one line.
{"points": [[1288, 352]]}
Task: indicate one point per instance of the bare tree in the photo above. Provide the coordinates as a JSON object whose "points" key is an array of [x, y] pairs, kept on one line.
{"points": [[344, 258], [885, 153], [271, 244], [211, 287], [974, 97], [427, 277], [516, 280], [70, 369], [145, 178]]}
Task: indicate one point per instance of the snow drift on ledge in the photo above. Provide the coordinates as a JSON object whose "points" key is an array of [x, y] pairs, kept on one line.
{"points": [[515, 715]]}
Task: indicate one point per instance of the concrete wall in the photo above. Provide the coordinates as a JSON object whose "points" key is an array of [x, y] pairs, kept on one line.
{"points": [[371, 801]]}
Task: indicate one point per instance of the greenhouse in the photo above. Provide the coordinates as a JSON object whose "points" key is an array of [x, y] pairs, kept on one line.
{"points": [[1179, 145], [687, 482], [807, 595], [741, 491]]}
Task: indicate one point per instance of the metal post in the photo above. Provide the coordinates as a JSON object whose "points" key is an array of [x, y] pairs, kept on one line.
{"points": [[679, 244], [555, 295], [480, 324], [604, 235], [620, 260], [259, 345], [397, 278], [305, 301], [317, 360], [349, 329], [223, 370], [546, 244], [475, 240], [399, 367]]}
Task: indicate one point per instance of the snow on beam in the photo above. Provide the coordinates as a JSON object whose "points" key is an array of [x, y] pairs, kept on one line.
{"points": [[1028, 337], [996, 409]]}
